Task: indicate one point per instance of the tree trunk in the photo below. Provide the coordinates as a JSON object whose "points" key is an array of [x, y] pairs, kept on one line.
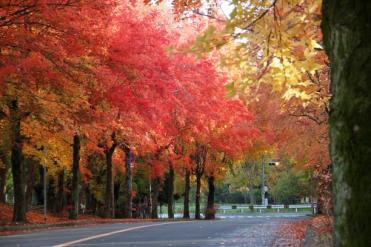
{"points": [[109, 180], [116, 196], [39, 187], [3, 170], [200, 162], [19, 211], [91, 203], [60, 193], [210, 210], [170, 192], [51, 196], [109, 210], [187, 188], [155, 193], [198, 196], [128, 183], [30, 181], [347, 35], [75, 177]]}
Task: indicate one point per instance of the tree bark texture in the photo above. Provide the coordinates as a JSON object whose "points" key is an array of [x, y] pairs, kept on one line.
{"points": [[128, 183], [210, 209], [170, 192], [187, 188], [200, 162], [91, 202], [346, 28], [116, 195], [109, 180], [30, 163], [39, 187], [109, 200], [156, 183], [19, 210], [51, 194], [75, 177], [198, 196], [109, 196]]}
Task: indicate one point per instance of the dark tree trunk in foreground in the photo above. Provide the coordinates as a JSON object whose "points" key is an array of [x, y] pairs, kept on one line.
{"points": [[109, 200], [347, 33], [187, 188], [156, 183], [128, 183], [19, 213], [170, 192], [210, 210], [75, 177]]}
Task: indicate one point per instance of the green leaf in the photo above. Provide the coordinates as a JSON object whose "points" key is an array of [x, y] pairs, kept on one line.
{"points": [[231, 89]]}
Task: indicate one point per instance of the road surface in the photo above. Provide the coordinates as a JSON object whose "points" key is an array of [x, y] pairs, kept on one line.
{"points": [[230, 230]]}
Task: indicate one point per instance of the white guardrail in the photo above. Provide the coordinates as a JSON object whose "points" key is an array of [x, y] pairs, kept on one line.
{"points": [[243, 208]]}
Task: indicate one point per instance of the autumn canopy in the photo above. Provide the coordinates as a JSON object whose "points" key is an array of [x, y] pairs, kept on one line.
{"points": [[114, 98]]}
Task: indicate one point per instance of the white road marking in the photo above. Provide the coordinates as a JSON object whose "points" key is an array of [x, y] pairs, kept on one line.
{"points": [[112, 233]]}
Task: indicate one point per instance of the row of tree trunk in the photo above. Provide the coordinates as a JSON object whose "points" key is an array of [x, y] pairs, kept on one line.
{"points": [[156, 185], [200, 157], [25, 185], [23, 196]]}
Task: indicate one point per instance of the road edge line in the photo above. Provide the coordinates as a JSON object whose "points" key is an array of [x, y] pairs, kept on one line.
{"points": [[112, 233]]}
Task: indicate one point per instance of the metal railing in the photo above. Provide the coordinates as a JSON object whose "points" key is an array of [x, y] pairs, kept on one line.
{"points": [[251, 208]]}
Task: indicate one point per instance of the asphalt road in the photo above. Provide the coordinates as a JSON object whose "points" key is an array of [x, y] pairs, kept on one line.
{"points": [[231, 230]]}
